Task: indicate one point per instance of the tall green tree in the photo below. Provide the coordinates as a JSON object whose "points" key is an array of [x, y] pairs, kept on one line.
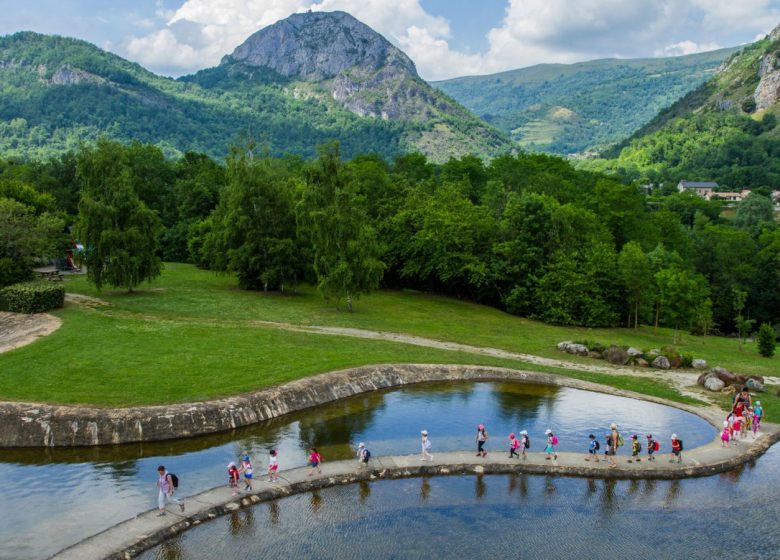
{"points": [[754, 214], [681, 294], [332, 213], [119, 231], [24, 237], [253, 229], [634, 269]]}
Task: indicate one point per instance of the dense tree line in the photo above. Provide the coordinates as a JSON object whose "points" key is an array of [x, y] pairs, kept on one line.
{"points": [[527, 233]]}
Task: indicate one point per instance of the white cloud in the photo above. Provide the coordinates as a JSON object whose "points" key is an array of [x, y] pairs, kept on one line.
{"points": [[686, 47], [200, 32]]}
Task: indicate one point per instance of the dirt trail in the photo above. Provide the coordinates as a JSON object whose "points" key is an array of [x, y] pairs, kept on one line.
{"points": [[682, 381], [19, 329]]}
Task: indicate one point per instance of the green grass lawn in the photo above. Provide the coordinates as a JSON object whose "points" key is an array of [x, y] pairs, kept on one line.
{"points": [[193, 335], [184, 292]]}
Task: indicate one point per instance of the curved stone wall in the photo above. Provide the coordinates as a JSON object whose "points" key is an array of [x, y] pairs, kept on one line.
{"points": [[43, 425]]}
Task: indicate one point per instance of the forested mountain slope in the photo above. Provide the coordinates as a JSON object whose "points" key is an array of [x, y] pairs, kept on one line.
{"points": [[724, 131], [570, 108], [354, 86]]}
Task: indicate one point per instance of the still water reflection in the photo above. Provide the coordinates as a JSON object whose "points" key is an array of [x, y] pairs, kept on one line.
{"points": [[70, 494], [506, 516]]}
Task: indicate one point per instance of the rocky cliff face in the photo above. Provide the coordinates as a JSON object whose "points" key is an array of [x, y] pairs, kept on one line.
{"points": [[319, 46], [355, 65], [767, 91], [332, 55]]}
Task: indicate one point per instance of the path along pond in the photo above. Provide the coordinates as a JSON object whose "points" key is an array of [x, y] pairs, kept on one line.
{"points": [[60, 496]]}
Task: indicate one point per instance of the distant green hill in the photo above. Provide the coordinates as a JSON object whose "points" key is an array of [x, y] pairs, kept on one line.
{"points": [[572, 108], [723, 131], [56, 92]]}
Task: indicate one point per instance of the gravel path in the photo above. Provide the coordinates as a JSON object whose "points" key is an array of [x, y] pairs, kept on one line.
{"points": [[19, 329]]}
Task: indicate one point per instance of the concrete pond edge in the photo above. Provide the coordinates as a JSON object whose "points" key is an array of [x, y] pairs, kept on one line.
{"points": [[25, 424]]}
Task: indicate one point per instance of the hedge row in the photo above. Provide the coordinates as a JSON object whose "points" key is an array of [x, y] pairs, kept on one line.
{"points": [[32, 297]]}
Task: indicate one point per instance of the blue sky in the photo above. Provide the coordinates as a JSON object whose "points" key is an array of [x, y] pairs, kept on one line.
{"points": [[445, 38]]}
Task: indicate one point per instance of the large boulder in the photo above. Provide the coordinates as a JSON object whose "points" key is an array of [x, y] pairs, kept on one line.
{"points": [[641, 362], [661, 362], [727, 377], [562, 345], [616, 355], [595, 355], [634, 352], [578, 349], [698, 363], [703, 377], [755, 385], [713, 384]]}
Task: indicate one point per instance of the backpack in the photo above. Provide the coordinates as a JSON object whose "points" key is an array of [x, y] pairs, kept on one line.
{"points": [[555, 440], [174, 480], [681, 445], [639, 448], [620, 441], [366, 455], [527, 442], [598, 445], [656, 446]]}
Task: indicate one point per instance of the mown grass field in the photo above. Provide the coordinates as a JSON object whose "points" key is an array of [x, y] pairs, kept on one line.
{"points": [[193, 335]]}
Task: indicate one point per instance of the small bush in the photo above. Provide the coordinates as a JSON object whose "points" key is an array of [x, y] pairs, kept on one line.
{"points": [[591, 345], [749, 105], [767, 339], [673, 355], [32, 297], [687, 361]]}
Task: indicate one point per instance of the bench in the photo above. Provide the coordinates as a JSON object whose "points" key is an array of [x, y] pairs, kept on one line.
{"points": [[51, 275]]}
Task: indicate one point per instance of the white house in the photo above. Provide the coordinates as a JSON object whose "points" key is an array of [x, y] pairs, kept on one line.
{"points": [[703, 189]]}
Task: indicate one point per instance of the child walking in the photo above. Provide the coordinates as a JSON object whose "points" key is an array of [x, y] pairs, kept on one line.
{"points": [[552, 441], [426, 445], [677, 447], [725, 435], [246, 468], [736, 431], [636, 449], [611, 449], [525, 444], [514, 445], [758, 416], [314, 460], [233, 477], [593, 449], [273, 466], [652, 447], [481, 439]]}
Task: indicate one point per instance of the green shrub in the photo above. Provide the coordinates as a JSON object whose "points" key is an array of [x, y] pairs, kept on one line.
{"points": [[591, 345], [767, 338], [687, 361], [32, 297], [673, 355]]}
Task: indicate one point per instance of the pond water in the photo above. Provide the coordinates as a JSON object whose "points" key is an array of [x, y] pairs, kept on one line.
{"points": [[731, 515], [69, 494]]}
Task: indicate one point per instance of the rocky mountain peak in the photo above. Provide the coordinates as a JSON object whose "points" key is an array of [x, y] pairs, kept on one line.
{"points": [[316, 46]]}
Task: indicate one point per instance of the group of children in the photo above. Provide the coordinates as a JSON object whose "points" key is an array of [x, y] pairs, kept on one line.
{"points": [[741, 421], [245, 468]]}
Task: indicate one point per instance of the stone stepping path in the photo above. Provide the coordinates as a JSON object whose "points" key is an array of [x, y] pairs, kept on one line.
{"points": [[133, 536]]}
